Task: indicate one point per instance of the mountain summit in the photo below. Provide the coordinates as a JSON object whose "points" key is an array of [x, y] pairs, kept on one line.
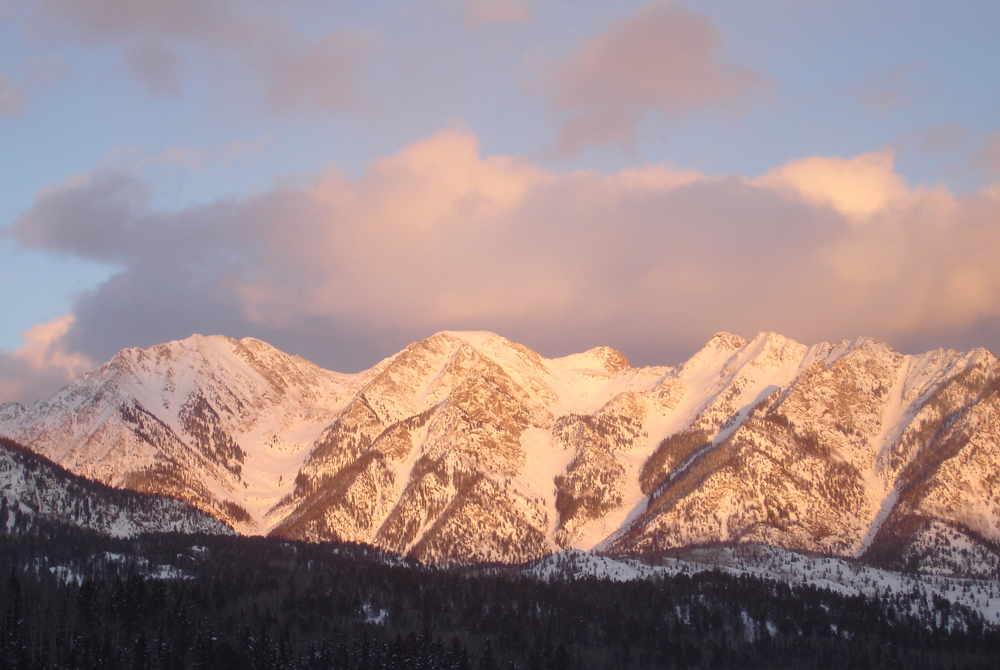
{"points": [[468, 447]]}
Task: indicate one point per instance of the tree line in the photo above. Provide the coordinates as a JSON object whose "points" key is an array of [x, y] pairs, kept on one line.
{"points": [[75, 599]]}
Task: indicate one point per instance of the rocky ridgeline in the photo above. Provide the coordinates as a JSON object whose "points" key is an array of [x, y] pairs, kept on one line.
{"points": [[468, 447]]}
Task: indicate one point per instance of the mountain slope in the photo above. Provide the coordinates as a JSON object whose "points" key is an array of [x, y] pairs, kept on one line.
{"points": [[466, 446], [864, 452], [446, 451], [33, 489], [218, 423]]}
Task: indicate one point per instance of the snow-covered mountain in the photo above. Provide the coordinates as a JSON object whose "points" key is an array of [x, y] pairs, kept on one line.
{"points": [[466, 446], [221, 424], [34, 490]]}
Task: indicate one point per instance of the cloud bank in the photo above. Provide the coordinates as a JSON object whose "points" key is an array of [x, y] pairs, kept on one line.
{"points": [[652, 260]]}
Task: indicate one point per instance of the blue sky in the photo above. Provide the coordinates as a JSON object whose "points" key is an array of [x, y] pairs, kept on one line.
{"points": [[340, 179]]}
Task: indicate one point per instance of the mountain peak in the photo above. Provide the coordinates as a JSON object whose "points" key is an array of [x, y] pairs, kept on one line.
{"points": [[770, 338], [871, 344], [601, 359], [723, 341], [466, 440], [175, 349], [774, 350]]}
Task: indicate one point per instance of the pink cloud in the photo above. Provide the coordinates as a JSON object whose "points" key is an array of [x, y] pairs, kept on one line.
{"points": [[857, 187], [438, 236], [663, 59], [42, 364]]}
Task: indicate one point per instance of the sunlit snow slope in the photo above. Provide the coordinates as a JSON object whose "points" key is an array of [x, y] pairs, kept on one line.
{"points": [[468, 447], [224, 425]]}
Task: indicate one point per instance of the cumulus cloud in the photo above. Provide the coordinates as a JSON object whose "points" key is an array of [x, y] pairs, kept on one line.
{"points": [[652, 260], [857, 187], [42, 364], [296, 71], [662, 59]]}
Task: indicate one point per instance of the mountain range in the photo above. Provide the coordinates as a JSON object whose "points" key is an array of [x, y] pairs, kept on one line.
{"points": [[466, 447]]}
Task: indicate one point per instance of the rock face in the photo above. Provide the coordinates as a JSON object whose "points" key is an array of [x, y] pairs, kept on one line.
{"points": [[33, 490], [468, 447]]}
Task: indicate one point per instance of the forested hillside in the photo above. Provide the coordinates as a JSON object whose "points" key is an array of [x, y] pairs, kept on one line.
{"points": [[73, 599]]}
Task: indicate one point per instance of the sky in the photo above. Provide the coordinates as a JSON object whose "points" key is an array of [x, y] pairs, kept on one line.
{"points": [[342, 179]]}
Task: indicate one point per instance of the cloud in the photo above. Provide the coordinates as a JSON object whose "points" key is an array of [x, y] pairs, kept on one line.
{"points": [[893, 89], [317, 76], [487, 12], [857, 187], [42, 364], [38, 74], [662, 59], [652, 260], [948, 138], [100, 21], [12, 99], [295, 71], [987, 157], [156, 67], [91, 215], [239, 149]]}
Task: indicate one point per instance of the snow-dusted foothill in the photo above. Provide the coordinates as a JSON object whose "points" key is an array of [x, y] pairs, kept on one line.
{"points": [[848, 577], [34, 490]]}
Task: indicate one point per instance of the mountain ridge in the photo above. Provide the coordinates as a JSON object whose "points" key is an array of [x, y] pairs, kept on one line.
{"points": [[466, 446], [35, 490]]}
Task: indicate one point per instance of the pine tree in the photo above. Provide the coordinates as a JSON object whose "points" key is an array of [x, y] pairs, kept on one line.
{"points": [[486, 658]]}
